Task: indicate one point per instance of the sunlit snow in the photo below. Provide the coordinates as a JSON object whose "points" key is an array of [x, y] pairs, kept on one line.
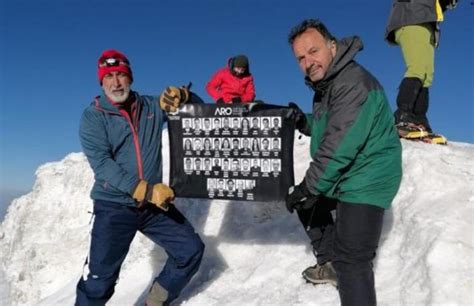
{"points": [[255, 252]]}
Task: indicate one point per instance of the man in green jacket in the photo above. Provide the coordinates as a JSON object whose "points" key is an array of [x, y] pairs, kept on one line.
{"points": [[356, 162]]}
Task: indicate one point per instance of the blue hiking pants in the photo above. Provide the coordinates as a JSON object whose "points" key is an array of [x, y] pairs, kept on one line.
{"points": [[113, 230]]}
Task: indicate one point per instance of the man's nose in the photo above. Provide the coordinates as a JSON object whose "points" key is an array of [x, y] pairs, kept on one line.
{"points": [[116, 81], [308, 63]]}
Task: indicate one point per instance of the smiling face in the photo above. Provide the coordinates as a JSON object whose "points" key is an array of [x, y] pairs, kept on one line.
{"points": [[314, 54]]}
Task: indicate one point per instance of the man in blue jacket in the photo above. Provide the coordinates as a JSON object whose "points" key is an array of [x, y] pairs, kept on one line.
{"points": [[120, 133]]}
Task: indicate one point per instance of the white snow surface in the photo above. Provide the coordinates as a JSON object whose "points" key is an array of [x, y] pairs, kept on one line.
{"points": [[255, 251]]}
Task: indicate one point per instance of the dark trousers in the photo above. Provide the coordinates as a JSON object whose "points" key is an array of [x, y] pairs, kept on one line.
{"points": [[349, 242], [113, 230]]}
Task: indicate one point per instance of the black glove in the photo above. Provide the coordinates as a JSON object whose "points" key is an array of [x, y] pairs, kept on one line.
{"points": [[300, 119], [220, 101], [300, 198], [237, 100]]}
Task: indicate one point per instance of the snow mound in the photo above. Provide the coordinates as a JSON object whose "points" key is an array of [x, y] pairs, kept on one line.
{"points": [[255, 252]]}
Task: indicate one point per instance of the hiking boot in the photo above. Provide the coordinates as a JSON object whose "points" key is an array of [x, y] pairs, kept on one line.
{"points": [[434, 138], [157, 296], [410, 130], [321, 274]]}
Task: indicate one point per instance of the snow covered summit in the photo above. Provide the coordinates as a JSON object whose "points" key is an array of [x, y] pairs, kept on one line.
{"points": [[255, 252]]}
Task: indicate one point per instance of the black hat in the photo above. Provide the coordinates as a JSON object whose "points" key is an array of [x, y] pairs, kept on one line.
{"points": [[241, 61]]}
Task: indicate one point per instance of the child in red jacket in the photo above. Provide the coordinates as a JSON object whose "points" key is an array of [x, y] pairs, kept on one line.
{"points": [[234, 83]]}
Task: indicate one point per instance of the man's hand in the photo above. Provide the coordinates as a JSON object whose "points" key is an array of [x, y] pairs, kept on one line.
{"points": [[139, 192], [300, 198], [236, 100], [172, 97], [300, 119], [160, 195]]}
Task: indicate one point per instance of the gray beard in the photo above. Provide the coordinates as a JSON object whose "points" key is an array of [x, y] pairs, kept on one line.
{"points": [[118, 99]]}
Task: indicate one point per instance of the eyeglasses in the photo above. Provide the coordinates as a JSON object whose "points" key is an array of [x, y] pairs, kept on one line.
{"points": [[113, 62]]}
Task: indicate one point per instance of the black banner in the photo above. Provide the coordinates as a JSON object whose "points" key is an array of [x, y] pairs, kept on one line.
{"points": [[239, 151]]}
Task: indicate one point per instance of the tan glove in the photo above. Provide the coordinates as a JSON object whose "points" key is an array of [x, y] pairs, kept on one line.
{"points": [[158, 194], [139, 192], [172, 97]]}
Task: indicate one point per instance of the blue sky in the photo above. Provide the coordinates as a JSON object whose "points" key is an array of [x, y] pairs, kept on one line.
{"points": [[49, 51]]}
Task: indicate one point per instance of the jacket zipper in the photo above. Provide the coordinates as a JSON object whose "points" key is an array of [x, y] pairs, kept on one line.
{"points": [[136, 143]]}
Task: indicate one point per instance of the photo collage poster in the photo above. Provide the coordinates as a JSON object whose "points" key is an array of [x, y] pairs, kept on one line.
{"points": [[240, 152]]}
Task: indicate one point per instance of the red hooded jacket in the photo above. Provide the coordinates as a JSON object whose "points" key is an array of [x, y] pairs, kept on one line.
{"points": [[225, 85]]}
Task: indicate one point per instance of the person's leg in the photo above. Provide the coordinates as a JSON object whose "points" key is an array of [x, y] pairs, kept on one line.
{"points": [[319, 226], [408, 93], [114, 227], [357, 233], [426, 36], [416, 44], [421, 108], [183, 245]]}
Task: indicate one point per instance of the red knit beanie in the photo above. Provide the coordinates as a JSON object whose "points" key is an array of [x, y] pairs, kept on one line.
{"points": [[113, 60]]}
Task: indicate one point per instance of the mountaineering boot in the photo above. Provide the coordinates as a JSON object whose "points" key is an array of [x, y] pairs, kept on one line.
{"points": [[321, 274], [406, 121], [157, 296], [411, 131], [434, 138], [421, 108], [407, 96]]}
